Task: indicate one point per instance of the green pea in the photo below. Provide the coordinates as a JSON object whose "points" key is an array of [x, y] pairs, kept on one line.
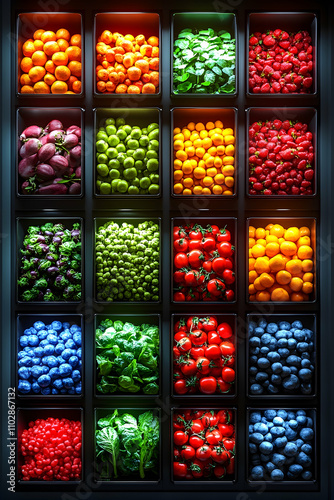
{"points": [[114, 184], [121, 134], [101, 146], [114, 164], [152, 154], [140, 165], [153, 189], [127, 129], [102, 158], [130, 173], [110, 121], [152, 165], [139, 154], [101, 136], [105, 188], [154, 178], [114, 174], [113, 140], [144, 182], [133, 144], [144, 140], [128, 162], [152, 126], [133, 190], [102, 169], [122, 186], [153, 145], [111, 153], [121, 147], [111, 130]]}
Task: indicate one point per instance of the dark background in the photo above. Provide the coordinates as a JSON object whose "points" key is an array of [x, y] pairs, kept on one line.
{"points": [[167, 207]]}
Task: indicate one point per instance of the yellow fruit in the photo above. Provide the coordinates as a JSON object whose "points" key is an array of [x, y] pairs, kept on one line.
{"points": [[261, 265], [288, 248], [292, 234], [276, 263], [279, 295], [283, 277], [258, 251]]}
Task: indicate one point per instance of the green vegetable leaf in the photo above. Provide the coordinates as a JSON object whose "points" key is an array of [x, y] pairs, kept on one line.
{"points": [[108, 439]]}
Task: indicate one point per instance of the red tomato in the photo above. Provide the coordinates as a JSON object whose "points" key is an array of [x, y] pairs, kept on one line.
{"points": [[178, 422], [225, 249], [197, 352], [230, 362], [229, 295], [194, 323], [227, 348], [198, 337], [180, 386], [229, 263], [209, 419], [208, 385], [176, 454], [197, 414], [180, 325], [180, 438], [224, 330], [179, 232], [191, 278], [184, 344], [219, 455], [189, 368], [178, 277], [196, 426], [197, 468], [218, 265], [227, 430], [219, 471], [213, 338], [196, 441], [181, 245], [194, 245], [180, 260], [176, 352], [212, 230], [208, 244], [228, 374], [229, 444], [203, 365], [214, 436], [209, 323], [231, 466], [195, 234], [192, 295], [228, 276], [180, 335], [207, 265], [224, 416], [212, 352], [195, 259], [179, 297], [180, 469], [224, 235], [203, 453], [216, 287], [187, 452], [223, 387]]}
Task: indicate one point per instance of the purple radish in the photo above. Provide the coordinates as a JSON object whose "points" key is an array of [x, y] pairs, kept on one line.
{"points": [[74, 130], [54, 125], [59, 164], [27, 166], [32, 131], [73, 163], [56, 189], [78, 172], [45, 172], [70, 171], [75, 153], [30, 148], [70, 141], [75, 188], [44, 139], [55, 135], [46, 152], [25, 188]]}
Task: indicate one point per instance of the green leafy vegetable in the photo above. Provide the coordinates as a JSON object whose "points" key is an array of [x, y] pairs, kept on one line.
{"points": [[197, 61], [127, 359], [131, 445]]}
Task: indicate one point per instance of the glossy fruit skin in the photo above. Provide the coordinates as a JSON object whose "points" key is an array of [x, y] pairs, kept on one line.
{"points": [[205, 271], [203, 362], [210, 449], [281, 159]]}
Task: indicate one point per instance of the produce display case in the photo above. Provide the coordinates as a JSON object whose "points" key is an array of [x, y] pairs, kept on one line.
{"points": [[238, 109]]}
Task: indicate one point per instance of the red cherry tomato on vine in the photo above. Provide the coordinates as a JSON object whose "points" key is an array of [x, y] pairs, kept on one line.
{"points": [[188, 452], [180, 260], [208, 385], [179, 469], [228, 374], [214, 436], [181, 245], [203, 453], [213, 338], [225, 249], [180, 438], [179, 233], [212, 352], [224, 330], [198, 337], [203, 365]]}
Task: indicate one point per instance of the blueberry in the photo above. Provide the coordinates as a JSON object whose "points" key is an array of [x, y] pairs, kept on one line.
{"points": [[39, 352], [264, 350], [71, 391], [282, 413], [42, 334], [35, 388], [278, 459], [280, 442], [78, 388], [264, 458], [36, 371], [39, 325], [291, 382], [269, 414], [52, 339], [265, 384], [45, 370], [65, 369], [273, 356], [256, 389], [278, 421], [46, 391], [277, 475], [254, 342], [268, 437], [266, 447], [261, 377], [54, 372], [286, 371], [301, 412], [283, 352], [255, 417], [79, 353], [259, 330], [282, 343], [58, 383], [306, 448], [297, 324], [301, 419], [75, 328], [294, 370], [276, 379], [272, 389], [68, 382], [44, 381], [65, 336], [253, 370], [54, 391], [265, 339], [305, 363], [33, 340], [273, 344], [56, 325], [77, 338], [24, 387], [260, 427], [290, 433], [49, 349], [277, 431], [292, 344], [257, 473], [43, 343], [253, 360], [302, 346], [276, 368], [299, 442], [66, 354], [60, 360], [63, 391], [59, 348], [306, 434], [25, 361], [293, 424], [281, 334], [305, 374], [295, 469], [290, 450], [284, 325], [23, 340], [73, 361], [291, 415], [66, 325], [263, 363], [256, 437], [254, 350], [70, 344], [272, 328], [252, 448], [307, 475], [269, 467], [299, 335]]}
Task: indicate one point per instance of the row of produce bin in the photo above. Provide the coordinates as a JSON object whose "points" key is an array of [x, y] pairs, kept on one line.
{"points": [[204, 57]]}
